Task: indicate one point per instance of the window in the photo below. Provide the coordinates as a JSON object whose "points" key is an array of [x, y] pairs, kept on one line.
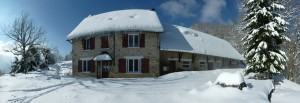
{"points": [[86, 44], [186, 65], [133, 65], [85, 65], [133, 40], [202, 64]]}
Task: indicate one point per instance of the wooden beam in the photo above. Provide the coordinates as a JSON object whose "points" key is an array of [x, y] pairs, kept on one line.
{"points": [[194, 57], [179, 56]]}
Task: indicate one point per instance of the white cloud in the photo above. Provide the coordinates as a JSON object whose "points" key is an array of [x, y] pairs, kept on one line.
{"points": [[5, 57], [211, 11], [179, 8]]}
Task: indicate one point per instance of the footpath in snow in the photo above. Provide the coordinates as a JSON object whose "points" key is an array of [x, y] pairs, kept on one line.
{"points": [[179, 87]]}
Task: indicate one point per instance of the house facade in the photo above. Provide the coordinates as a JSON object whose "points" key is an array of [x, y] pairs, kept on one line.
{"points": [[133, 43]]}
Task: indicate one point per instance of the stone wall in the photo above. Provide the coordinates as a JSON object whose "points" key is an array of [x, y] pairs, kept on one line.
{"points": [[219, 62], [150, 51]]}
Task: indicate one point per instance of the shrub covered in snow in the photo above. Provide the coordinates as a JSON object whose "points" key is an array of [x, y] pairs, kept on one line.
{"points": [[227, 79]]}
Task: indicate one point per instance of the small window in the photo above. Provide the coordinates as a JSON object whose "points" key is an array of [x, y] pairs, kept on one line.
{"points": [[202, 64], [133, 40], [85, 65], [133, 65], [87, 43], [186, 65]]}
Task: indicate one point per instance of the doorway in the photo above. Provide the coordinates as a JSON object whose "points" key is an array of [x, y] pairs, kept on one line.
{"points": [[105, 69], [172, 66], [210, 65]]}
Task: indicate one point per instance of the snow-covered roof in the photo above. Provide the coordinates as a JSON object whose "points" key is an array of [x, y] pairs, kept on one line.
{"points": [[102, 57], [178, 38], [122, 20]]}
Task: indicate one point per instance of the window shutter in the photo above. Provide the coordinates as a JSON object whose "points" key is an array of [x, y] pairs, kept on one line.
{"points": [[145, 65], [79, 66], [83, 43], [104, 41], [122, 65], [92, 66], [125, 40], [142, 40], [92, 43]]}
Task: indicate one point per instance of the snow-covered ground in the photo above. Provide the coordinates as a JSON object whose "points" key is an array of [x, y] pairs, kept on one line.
{"points": [[179, 87]]}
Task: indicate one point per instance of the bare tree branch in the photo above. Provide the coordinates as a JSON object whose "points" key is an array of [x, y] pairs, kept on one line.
{"points": [[25, 34]]}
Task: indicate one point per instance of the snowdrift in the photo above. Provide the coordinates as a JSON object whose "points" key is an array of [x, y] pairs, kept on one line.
{"points": [[179, 87]]}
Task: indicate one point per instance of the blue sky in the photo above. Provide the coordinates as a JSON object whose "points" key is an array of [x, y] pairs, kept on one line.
{"points": [[60, 17]]}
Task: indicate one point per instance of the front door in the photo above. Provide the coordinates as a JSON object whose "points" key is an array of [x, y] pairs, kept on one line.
{"points": [[105, 69]]}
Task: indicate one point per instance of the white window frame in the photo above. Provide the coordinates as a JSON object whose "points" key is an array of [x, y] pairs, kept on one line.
{"points": [[189, 64], [205, 64], [82, 64], [87, 43], [133, 40], [85, 68], [139, 58]]}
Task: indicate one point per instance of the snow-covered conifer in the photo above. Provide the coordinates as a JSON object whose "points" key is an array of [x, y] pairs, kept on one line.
{"points": [[264, 35]]}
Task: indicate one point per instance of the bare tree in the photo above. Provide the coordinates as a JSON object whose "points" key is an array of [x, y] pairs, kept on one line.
{"points": [[25, 34], [292, 48]]}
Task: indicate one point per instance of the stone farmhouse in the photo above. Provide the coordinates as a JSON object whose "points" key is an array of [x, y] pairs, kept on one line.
{"points": [[133, 43]]}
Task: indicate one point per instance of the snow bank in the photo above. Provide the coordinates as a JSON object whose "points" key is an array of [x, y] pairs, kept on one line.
{"points": [[179, 87], [122, 20], [192, 41], [288, 90], [230, 78]]}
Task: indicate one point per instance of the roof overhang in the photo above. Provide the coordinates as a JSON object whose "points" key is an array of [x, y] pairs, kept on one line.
{"points": [[102, 57]]}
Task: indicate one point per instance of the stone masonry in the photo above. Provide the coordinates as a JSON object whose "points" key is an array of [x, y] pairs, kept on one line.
{"points": [[150, 51]]}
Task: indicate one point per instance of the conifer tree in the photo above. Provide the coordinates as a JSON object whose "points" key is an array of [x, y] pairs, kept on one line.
{"points": [[264, 30]]}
